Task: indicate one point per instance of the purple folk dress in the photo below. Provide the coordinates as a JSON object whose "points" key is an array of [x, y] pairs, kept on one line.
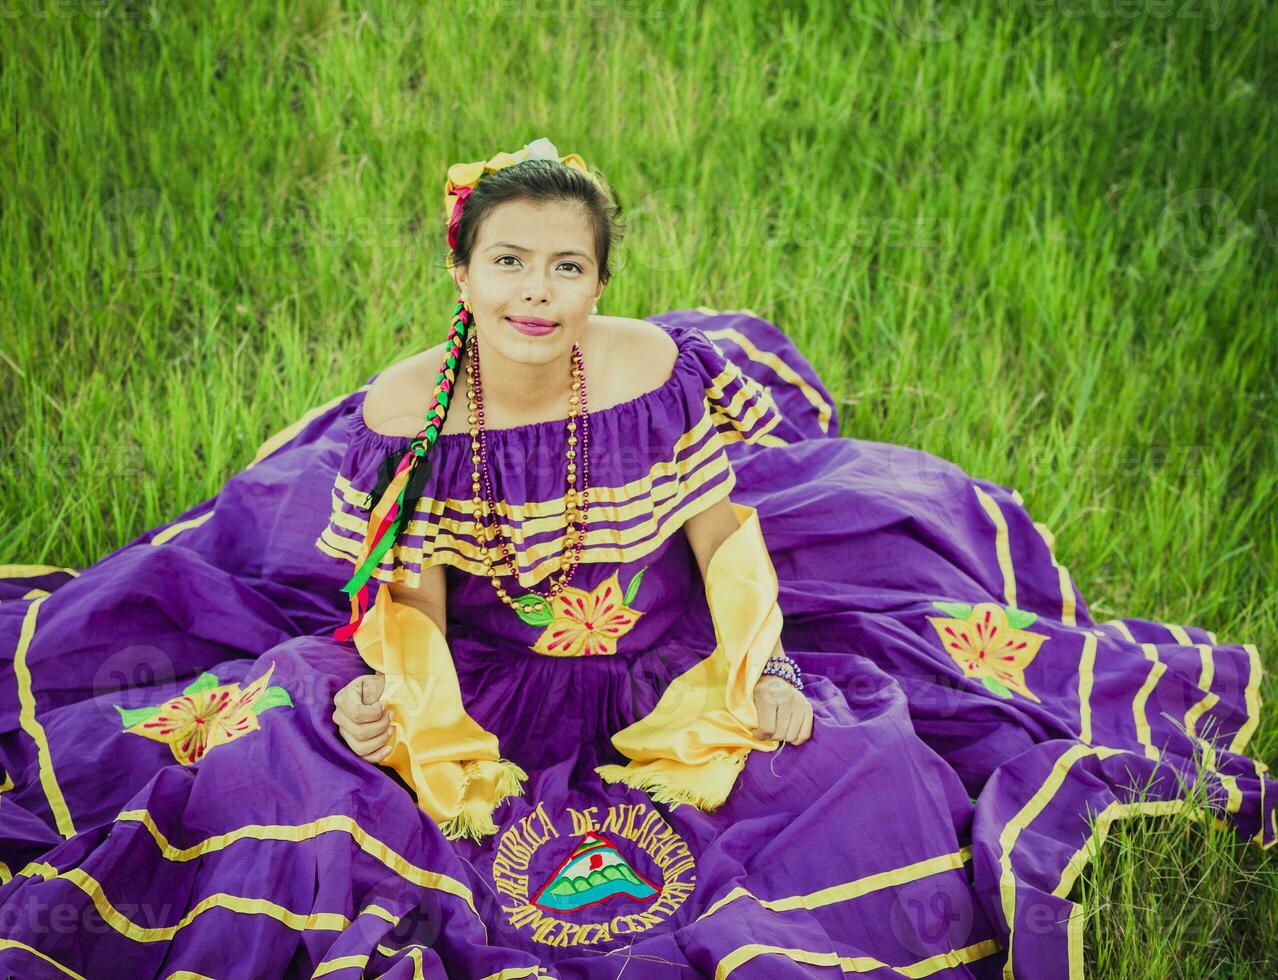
{"points": [[177, 802]]}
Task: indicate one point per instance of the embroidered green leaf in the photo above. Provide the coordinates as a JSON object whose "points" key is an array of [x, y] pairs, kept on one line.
{"points": [[633, 587], [997, 686], [132, 716], [273, 697], [1019, 618], [526, 607], [202, 683], [958, 610]]}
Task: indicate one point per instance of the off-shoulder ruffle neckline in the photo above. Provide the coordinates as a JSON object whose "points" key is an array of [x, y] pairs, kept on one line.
{"points": [[685, 352]]}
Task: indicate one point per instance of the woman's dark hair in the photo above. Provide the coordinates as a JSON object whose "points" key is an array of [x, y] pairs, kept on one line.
{"points": [[536, 181], [542, 182]]}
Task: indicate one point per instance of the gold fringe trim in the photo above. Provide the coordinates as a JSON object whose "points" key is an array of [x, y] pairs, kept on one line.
{"points": [[662, 790], [475, 819]]}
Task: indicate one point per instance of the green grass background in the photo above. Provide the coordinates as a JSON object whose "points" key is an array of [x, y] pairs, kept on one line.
{"points": [[1036, 238]]}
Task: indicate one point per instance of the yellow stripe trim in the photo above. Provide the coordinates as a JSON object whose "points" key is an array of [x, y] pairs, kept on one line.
{"points": [[32, 726], [852, 889], [857, 964], [1234, 795], [1046, 534], [1140, 704], [1001, 544], [607, 503], [452, 546], [1012, 830], [472, 562], [729, 433], [1205, 678], [413, 952], [169, 533], [1074, 940], [330, 921], [778, 366], [360, 962], [752, 402], [31, 571], [384, 914], [295, 833], [1086, 678], [1121, 627], [336, 921], [1084, 856], [1252, 699], [614, 502], [1116, 810], [1069, 605], [356, 961], [302, 922], [1179, 635], [14, 944]]}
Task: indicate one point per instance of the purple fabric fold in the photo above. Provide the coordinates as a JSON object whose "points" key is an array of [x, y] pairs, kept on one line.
{"points": [[969, 715]]}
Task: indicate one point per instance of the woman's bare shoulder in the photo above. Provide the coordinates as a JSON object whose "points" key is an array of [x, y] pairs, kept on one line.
{"points": [[639, 354], [642, 354], [397, 400]]}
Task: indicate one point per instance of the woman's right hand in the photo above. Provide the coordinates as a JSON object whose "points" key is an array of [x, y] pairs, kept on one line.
{"points": [[362, 718]]}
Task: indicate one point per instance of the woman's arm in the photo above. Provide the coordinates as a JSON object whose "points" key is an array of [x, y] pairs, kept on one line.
{"points": [[709, 529], [430, 595]]}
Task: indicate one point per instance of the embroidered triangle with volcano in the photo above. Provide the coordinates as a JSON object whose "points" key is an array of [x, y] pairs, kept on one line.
{"points": [[592, 874]]}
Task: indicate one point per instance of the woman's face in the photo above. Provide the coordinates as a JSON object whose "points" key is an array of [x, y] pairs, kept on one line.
{"points": [[532, 261]]}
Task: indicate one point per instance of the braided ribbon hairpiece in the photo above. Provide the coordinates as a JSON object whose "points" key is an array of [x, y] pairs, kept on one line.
{"points": [[393, 507]]}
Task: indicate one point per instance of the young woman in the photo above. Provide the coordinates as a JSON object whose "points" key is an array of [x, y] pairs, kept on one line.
{"points": [[647, 671]]}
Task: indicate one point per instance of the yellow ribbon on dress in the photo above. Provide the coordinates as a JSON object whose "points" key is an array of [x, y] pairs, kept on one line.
{"points": [[691, 746], [452, 763]]}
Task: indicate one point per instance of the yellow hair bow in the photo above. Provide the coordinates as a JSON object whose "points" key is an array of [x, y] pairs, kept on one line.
{"points": [[462, 177]]}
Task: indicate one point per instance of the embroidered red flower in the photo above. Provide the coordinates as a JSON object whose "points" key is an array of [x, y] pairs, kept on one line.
{"points": [[984, 642], [589, 624], [206, 714]]}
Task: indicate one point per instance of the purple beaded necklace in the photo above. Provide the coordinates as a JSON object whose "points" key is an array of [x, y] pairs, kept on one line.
{"points": [[532, 607]]}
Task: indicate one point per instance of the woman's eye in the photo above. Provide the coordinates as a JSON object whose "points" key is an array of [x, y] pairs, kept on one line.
{"points": [[572, 265]]}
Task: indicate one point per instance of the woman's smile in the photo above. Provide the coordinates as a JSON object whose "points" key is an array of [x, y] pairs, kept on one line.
{"points": [[532, 326]]}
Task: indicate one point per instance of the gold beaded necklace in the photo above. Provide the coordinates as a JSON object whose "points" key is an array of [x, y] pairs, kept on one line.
{"points": [[533, 607]]}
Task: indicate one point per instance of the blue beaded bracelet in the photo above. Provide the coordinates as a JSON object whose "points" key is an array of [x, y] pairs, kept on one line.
{"points": [[785, 668]]}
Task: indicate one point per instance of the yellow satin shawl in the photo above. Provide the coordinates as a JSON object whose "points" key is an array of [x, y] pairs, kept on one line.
{"points": [[688, 749]]}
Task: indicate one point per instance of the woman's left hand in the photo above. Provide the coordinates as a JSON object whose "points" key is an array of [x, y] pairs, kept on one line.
{"points": [[784, 711]]}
